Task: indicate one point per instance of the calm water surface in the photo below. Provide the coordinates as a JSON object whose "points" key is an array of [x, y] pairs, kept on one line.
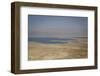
{"points": [[50, 40]]}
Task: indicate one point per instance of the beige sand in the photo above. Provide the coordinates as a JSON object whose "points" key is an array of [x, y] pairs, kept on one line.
{"points": [[72, 50]]}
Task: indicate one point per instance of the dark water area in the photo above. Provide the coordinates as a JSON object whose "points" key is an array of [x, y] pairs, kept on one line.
{"points": [[49, 40]]}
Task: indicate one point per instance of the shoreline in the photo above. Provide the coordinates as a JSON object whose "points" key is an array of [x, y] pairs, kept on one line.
{"points": [[74, 49]]}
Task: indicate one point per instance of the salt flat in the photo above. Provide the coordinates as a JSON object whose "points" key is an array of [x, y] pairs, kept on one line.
{"points": [[74, 49]]}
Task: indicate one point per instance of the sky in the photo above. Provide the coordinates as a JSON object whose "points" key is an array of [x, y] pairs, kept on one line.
{"points": [[57, 26]]}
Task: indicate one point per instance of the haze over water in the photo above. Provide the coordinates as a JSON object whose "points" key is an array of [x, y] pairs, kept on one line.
{"points": [[56, 29]]}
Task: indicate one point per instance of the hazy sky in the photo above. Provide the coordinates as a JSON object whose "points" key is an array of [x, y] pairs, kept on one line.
{"points": [[57, 26]]}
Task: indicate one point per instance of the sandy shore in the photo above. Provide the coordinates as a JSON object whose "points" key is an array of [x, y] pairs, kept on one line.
{"points": [[74, 49]]}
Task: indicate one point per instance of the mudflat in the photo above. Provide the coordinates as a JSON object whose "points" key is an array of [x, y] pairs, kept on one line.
{"points": [[73, 49]]}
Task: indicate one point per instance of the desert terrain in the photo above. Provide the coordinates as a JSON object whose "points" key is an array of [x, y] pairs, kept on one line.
{"points": [[73, 49]]}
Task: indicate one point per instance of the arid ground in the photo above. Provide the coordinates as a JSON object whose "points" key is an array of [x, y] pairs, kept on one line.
{"points": [[73, 49]]}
